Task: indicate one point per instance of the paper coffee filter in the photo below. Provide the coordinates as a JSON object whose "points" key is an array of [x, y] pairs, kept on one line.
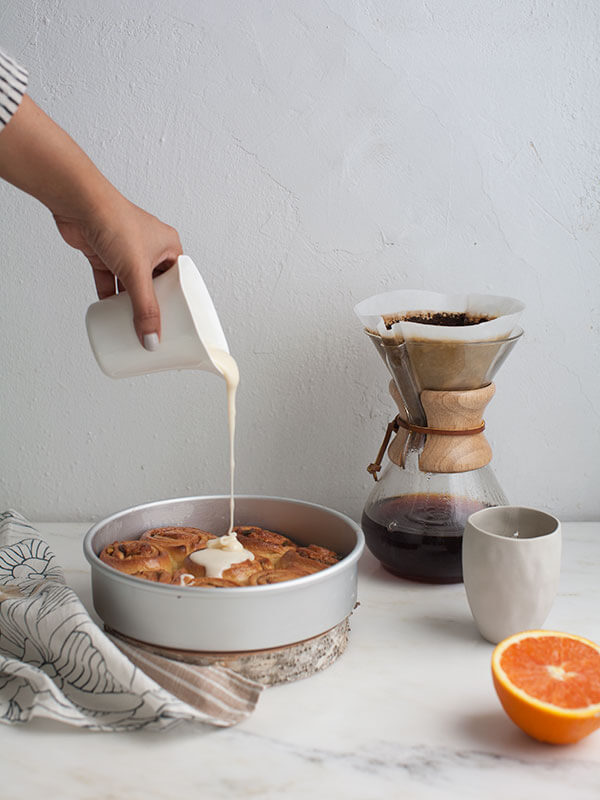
{"points": [[373, 312]]}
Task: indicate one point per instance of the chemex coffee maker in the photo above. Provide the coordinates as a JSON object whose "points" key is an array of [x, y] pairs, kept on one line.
{"points": [[443, 352]]}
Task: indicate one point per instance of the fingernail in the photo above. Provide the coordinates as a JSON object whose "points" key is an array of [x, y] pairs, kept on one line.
{"points": [[151, 341]]}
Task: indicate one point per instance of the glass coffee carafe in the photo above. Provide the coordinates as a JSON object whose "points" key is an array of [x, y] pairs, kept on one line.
{"points": [[438, 471]]}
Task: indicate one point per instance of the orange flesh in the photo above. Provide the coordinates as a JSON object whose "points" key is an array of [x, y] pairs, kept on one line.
{"points": [[554, 669]]}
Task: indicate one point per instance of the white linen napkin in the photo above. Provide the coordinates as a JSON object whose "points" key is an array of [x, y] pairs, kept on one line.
{"points": [[55, 662]]}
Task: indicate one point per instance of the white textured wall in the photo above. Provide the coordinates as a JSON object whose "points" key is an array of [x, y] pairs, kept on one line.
{"points": [[310, 153]]}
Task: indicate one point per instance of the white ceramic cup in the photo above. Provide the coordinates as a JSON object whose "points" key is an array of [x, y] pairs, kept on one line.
{"points": [[189, 322], [511, 568]]}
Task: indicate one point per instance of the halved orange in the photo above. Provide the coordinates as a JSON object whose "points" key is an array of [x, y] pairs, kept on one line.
{"points": [[549, 684]]}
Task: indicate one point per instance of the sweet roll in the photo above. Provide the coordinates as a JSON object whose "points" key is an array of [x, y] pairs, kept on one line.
{"points": [[264, 543], [137, 557], [241, 572], [316, 553], [183, 578], [179, 542], [275, 576]]}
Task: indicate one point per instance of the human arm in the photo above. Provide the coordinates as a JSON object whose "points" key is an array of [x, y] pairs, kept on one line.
{"points": [[118, 238]]}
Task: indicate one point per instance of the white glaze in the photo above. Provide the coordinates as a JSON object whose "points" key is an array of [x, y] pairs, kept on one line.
{"points": [[220, 554], [229, 369]]}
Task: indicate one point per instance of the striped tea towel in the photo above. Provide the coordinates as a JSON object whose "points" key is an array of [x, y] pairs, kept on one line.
{"points": [[55, 662]]}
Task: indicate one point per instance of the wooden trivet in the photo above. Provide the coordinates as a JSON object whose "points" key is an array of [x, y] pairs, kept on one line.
{"points": [[270, 667]]}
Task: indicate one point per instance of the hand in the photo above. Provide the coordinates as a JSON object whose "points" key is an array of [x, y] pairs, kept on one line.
{"points": [[121, 241], [126, 246]]}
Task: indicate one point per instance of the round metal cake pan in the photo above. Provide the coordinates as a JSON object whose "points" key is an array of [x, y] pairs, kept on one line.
{"points": [[227, 619]]}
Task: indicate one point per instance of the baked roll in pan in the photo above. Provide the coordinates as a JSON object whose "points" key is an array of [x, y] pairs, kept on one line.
{"points": [[163, 555]]}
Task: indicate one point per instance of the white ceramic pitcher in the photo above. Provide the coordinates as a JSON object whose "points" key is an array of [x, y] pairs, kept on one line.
{"points": [[189, 322]]}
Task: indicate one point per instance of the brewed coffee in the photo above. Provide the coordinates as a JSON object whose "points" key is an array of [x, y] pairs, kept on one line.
{"points": [[419, 536]]}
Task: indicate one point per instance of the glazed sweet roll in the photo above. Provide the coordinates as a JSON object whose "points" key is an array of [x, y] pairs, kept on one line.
{"points": [[191, 568], [238, 572]]}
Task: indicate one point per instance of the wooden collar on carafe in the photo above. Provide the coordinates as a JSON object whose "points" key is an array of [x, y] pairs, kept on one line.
{"points": [[454, 440]]}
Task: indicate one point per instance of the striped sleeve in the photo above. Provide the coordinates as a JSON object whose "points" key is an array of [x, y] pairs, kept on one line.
{"points": [[13, 84]]}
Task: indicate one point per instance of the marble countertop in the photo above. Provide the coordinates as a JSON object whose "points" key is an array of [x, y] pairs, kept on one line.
{"points": [[409, 711]]}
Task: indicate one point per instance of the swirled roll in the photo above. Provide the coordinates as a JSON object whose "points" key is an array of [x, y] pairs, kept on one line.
{"points": [[182, 578], [177, 541], [275, 576], [316, 553], [241, 572], [137, 557], [238, 572], [191, 568], [158, 576], [164, 555], [293, 560], [263, 543]]}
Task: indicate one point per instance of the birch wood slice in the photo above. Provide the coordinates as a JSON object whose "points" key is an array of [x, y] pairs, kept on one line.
{"points": [[270, 667]]}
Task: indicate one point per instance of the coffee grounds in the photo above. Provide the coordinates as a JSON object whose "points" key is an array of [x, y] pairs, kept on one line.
{"points": [[452, 319]]}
